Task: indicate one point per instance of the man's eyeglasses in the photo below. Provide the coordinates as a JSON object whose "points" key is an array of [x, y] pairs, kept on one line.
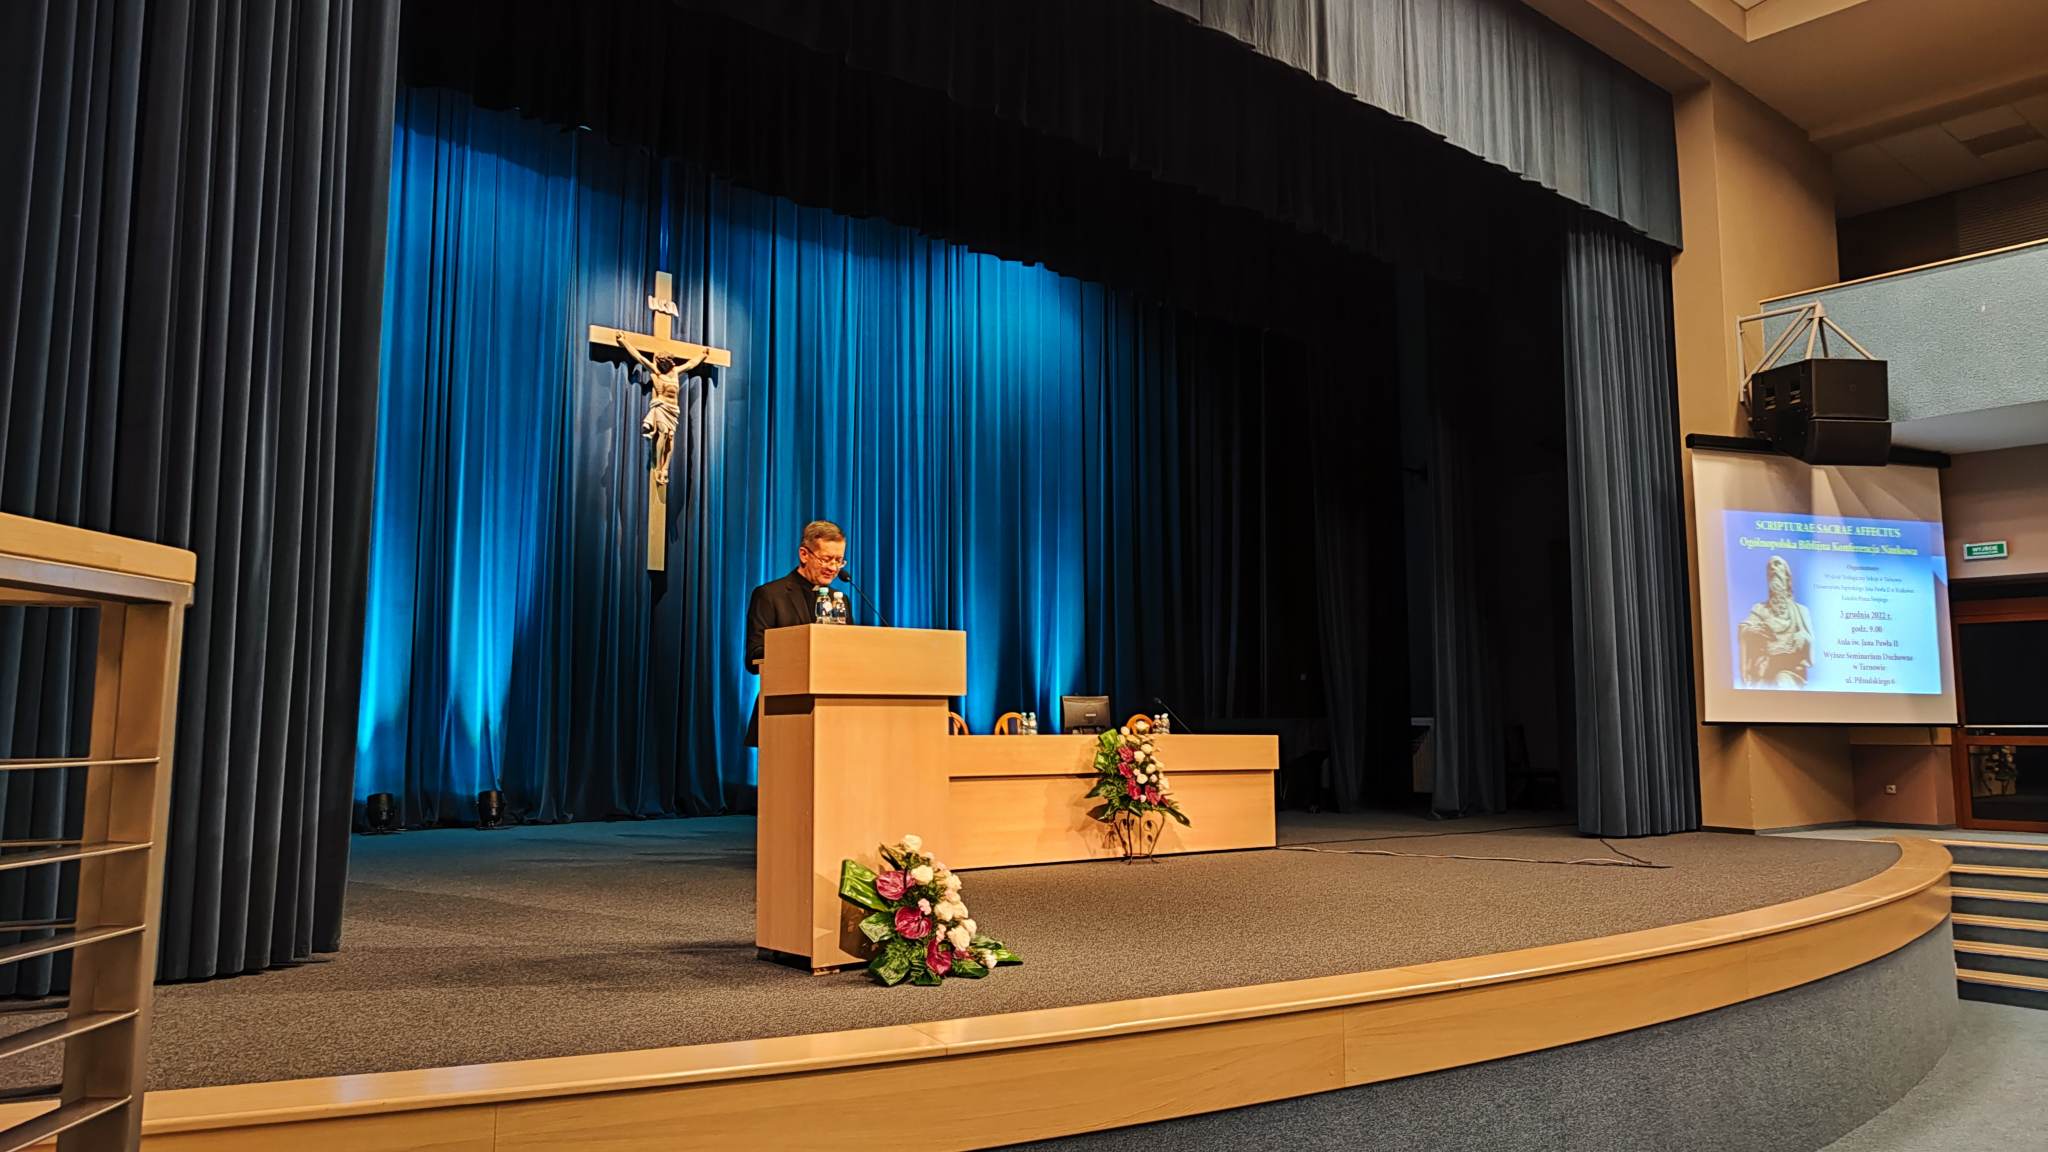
{"points": [[827, 561]]}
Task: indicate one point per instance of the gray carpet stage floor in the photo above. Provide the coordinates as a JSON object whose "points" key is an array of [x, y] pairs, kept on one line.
{"points": [[466, 947]]}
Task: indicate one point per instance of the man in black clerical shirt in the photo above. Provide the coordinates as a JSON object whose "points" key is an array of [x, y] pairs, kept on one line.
{"points": [[791, 600]]}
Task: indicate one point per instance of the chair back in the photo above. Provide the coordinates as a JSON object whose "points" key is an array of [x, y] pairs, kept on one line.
{"points": [[956, 724], [1009, 724]]}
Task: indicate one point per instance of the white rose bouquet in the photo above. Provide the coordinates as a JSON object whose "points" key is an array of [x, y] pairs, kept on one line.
{"points": [[917, 920]]}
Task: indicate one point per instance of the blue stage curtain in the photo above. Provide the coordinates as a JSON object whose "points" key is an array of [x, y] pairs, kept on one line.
{"points": [[1006, 448]]}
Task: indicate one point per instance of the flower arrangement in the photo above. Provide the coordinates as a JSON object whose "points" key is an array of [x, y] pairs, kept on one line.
{"points": [[916, 919], [1136, 795]]}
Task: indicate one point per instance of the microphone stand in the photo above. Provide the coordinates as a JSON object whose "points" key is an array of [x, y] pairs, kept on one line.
{"points": [[1170, 712], [847, 575]]}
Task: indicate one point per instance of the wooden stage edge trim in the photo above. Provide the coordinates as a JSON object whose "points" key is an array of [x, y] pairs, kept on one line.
{"points": [[1041, 1074]]}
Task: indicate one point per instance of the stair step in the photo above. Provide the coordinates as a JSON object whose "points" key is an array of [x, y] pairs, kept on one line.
{"points": [[1999, 870], [2000, 902], [2001, 894], [1979, 929], [2001, 877], [2005, 959], [2008, 923], [2004, 979], [2002, 988], [1996, 852], [1988, 948], [2015, 845]]}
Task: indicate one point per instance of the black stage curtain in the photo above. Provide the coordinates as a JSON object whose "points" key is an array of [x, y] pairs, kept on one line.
{"points": [[1113, 140], [1494, 78], [1638, 769], [191, 262], [1469, 775], [1360, 568]]}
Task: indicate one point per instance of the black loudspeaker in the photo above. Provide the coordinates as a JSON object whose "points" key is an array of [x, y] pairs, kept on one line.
{"points": [[1824, 411], [1829, 441]]}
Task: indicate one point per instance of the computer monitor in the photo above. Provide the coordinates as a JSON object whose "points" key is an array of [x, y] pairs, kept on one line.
{"points": [[1084, 714]]}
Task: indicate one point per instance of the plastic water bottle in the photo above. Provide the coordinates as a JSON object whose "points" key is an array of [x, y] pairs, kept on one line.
{"points": [[1029, 726], [840, 613], [821, 606]]}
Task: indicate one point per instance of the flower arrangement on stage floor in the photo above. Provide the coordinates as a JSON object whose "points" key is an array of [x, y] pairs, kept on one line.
{"points": [[1136, 797], [916, 920]]}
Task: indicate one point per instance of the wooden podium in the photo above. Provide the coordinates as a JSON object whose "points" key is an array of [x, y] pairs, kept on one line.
{"points": [[853, 746]]}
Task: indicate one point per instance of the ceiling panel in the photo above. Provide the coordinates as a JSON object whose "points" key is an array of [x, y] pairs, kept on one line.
{"points": [[1936, 157], [1867, 178]]}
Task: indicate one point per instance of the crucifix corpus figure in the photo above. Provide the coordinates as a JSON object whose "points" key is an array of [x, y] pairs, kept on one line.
{"points": [[665, 389], [667, 361]]}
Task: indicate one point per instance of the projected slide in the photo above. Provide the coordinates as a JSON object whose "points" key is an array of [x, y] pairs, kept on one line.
{"points": [[1833, 604], [1823, 592]]}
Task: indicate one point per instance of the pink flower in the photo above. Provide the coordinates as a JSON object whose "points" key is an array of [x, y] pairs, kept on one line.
{"points": [[1128, 771], [912, 924], [1124, 754], [1151, 794], [938, 957], [1132, 791], [892, 885]]}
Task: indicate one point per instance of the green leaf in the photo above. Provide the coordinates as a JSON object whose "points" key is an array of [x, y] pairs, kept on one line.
{"points": [[926, 978], [971, 969], [983, 943], [1177, 814], [857, 887], [878, 926], [890, 966]]}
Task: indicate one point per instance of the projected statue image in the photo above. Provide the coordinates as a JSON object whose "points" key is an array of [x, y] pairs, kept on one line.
{"points": [[1777, 635]]}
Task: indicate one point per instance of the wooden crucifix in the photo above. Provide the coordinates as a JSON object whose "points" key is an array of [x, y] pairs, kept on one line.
{"points": [[667, 361]]}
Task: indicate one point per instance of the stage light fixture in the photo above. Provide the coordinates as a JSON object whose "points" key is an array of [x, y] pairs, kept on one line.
{"points": [[490, 808], [380, 811]]}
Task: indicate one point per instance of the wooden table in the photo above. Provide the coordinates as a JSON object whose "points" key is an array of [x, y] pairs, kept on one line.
{"points": [[1023, 799]]}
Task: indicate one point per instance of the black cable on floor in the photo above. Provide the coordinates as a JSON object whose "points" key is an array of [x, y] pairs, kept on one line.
{"points": [[1428, 835], [1626, 861]]}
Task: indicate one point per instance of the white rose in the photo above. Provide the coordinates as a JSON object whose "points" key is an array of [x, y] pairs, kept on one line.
{"points": [[1140, 777], [1125, 730], [913, 842], [1138, 757], [988, 958], [952, 882], [922, 873], [1146, 747], [969, 925], [958, 938], [924, 906]]}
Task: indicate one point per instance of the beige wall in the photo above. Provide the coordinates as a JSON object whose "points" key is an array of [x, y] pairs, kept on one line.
{"points": [[1759, 222], [1919, 775], [1999, 495]]}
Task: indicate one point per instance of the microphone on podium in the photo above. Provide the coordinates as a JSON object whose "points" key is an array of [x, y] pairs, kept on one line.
{"points": [[846, 574]]}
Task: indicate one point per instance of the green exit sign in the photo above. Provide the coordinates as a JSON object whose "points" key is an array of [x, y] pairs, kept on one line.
{"points": [[1988, 550]]}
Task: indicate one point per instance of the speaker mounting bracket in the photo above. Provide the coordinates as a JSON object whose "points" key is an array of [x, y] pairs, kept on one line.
{"points": [[1810, 319]]}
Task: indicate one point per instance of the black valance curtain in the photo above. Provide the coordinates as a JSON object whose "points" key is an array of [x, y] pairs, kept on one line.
{"points": [[1638, 766], [1113, 140], [1494, 78], [191, 258]]}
